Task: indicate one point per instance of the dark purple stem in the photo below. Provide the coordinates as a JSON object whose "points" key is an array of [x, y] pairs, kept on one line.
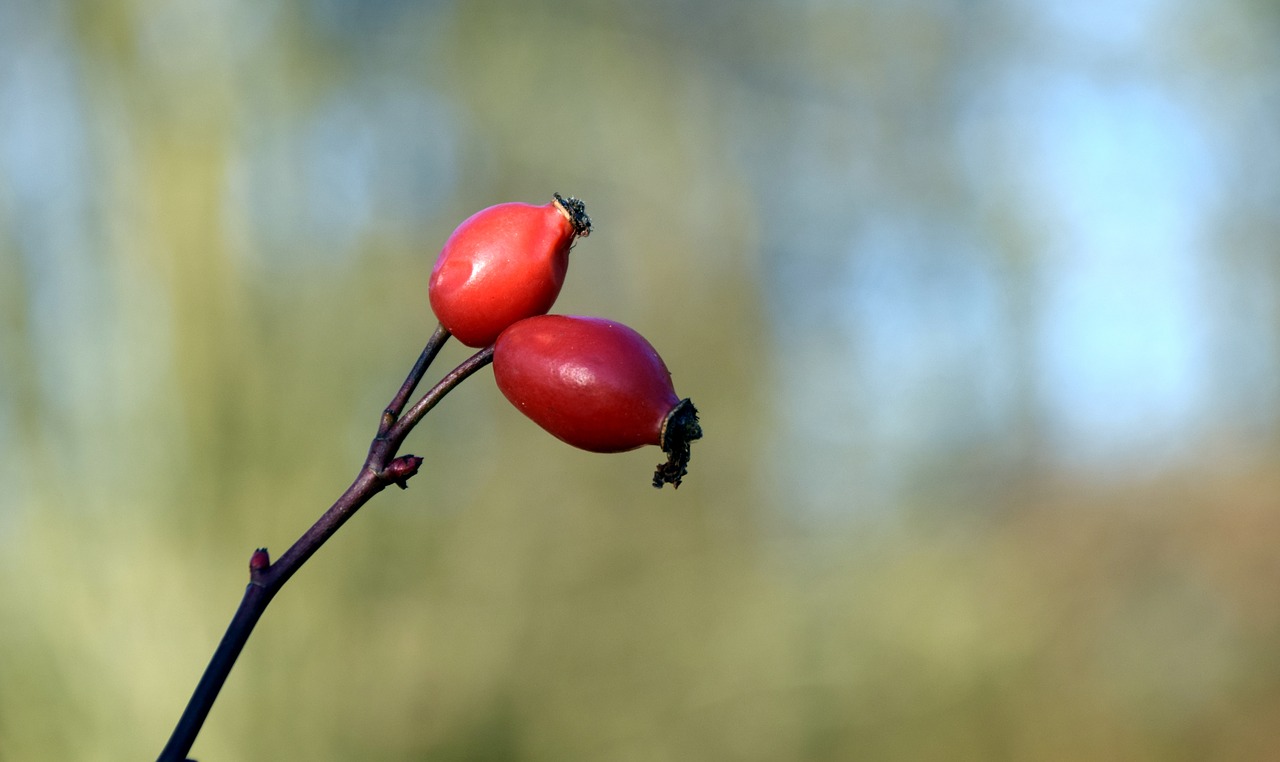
{"points": [[429, 353], [420, 408], [381, 469]]}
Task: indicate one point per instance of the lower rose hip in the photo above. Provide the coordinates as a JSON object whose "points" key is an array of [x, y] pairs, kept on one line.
{"points": [[597, 385]]}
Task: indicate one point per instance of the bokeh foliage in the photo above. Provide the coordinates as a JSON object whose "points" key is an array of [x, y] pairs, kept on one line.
{"points": [[216, 223]]}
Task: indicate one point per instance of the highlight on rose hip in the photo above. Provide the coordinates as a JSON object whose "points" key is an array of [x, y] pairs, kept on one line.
{"points": [[590, 382]]}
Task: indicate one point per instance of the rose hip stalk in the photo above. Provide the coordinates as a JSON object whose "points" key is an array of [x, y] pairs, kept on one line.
{"points": [[593, 383], [597, 385], [503, 264]]}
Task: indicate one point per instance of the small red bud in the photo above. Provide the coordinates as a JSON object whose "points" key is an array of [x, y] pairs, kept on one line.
{"points": [[259, 561], [401, 469]]}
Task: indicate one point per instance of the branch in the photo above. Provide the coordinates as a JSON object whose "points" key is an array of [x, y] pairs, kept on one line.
{"points": [[423, 406], [429, 353], [381, 469]]}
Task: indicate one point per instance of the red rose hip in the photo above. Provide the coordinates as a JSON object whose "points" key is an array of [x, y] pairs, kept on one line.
{"points": [[597, 385], [503, 264]]}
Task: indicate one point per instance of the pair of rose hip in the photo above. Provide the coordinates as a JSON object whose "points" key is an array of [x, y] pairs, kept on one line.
{"points": [[593, 383]]}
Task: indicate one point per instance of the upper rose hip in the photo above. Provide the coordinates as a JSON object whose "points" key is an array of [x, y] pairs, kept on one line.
{"points": [[597, 385], [503, 264]]}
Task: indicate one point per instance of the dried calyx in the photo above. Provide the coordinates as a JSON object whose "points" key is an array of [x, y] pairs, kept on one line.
{"points": [[576, 211], [678, 430]]}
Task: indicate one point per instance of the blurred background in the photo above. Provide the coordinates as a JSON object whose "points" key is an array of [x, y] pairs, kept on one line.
{"points": [[980, 303]]}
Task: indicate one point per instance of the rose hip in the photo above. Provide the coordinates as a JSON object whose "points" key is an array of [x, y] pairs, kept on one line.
{"points": [[597, 385], [503, 264]]}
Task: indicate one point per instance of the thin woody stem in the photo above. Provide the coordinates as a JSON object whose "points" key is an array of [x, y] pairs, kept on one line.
{"points": [[397, 404], [381, 469], [184, 735], [420, 408]]}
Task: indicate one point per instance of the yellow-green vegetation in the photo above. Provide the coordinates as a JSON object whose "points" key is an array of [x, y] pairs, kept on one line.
{"points": [[217, 221]]}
